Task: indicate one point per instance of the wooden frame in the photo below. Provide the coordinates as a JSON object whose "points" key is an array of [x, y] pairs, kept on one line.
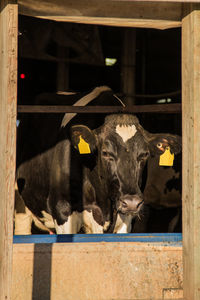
{"points": [[105, 12], [155, 14], [8, 111], [191, 150]]}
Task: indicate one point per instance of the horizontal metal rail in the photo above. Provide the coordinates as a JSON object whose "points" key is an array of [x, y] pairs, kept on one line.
{"points": [[170, 239], [154, 108]]}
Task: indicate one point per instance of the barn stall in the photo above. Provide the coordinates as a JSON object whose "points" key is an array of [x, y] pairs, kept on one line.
{"points": [[155, 14]]}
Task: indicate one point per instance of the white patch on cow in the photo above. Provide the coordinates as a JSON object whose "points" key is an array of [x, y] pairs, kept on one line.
{"points": [[45, 223], [23, 223], [123, 224], [76, 221], [83, 102], [72, 226], [126, 132], [22, 215], [90, 225], [106, 225]]}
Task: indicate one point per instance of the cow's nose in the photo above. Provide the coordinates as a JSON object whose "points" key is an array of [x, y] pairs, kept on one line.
{"points": [[130, 204]]}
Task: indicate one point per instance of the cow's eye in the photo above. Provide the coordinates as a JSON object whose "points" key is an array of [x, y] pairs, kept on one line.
{"points": [[107, 155], [159, 145]]}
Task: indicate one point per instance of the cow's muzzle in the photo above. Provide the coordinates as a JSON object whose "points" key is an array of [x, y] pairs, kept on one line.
{"points": [[130, 204]]}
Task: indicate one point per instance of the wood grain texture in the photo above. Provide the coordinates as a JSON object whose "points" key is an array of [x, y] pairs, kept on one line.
{"points": [[8, 96], [128, 66], [166, 108], [191, 152], [113, 13]]}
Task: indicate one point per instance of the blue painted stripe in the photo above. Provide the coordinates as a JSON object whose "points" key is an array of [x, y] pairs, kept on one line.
{"points": [[171, 239]]}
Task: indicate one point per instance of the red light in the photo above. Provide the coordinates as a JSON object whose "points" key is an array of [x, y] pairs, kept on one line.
{"points": [[22, 76]]}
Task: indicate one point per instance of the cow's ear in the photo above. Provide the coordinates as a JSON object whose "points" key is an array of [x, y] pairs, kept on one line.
{"points": [[83, 139], [159, 142]]}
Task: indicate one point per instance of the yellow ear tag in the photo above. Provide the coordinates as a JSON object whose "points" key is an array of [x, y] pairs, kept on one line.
{"points": [[166, 159], [83, 146]]}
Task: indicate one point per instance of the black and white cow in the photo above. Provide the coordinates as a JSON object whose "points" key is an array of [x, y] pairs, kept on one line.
{"points": [[86, 179], [163, 195]]}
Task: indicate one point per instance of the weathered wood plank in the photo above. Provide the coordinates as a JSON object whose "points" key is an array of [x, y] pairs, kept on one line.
{"points": [[166, 108], [62, 80], [126, 22], [8, 96], [128, 66], [114, 13], [160, 1], [191, 152]]}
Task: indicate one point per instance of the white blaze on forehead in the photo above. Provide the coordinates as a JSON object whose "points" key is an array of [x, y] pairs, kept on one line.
{"points": [[126, 132]]}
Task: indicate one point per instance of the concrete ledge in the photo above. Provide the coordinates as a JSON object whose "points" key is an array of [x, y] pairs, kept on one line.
{"points": [[97, 271]]}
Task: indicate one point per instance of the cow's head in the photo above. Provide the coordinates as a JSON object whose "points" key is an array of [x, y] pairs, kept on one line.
{"points": [[122, 147]]}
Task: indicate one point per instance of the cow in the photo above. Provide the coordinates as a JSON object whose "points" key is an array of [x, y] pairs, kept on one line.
{"points": [[162, 194], [88, 179], [25, 222]]}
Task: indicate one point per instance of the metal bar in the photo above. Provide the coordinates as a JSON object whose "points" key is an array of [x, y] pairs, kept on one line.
{"points": [[157, 108], [170, 238]]}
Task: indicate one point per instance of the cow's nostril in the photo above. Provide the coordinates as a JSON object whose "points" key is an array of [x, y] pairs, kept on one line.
{"points": [[139, 204], [124, 204], [130, 204]]}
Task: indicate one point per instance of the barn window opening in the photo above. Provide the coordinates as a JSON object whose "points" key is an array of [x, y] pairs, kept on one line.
{"points": [[140, 68]]}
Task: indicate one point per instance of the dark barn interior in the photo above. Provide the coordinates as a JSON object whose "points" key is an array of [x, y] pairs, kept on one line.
{"points": [[142, 66]]}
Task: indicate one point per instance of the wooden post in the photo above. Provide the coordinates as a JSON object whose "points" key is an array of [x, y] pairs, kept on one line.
{"points": [[191, 151], [62, 71], [8, 96], [128, 65]]}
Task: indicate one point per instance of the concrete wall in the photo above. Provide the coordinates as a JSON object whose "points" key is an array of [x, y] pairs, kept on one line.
{"points": [[97, 271]]}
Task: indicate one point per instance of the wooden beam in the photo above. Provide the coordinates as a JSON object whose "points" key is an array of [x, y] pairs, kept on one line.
{"points": [[172, 1], [62, 70], [191, 151], [162, 108], [8, 96], [105, 12], [128, 66]]}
